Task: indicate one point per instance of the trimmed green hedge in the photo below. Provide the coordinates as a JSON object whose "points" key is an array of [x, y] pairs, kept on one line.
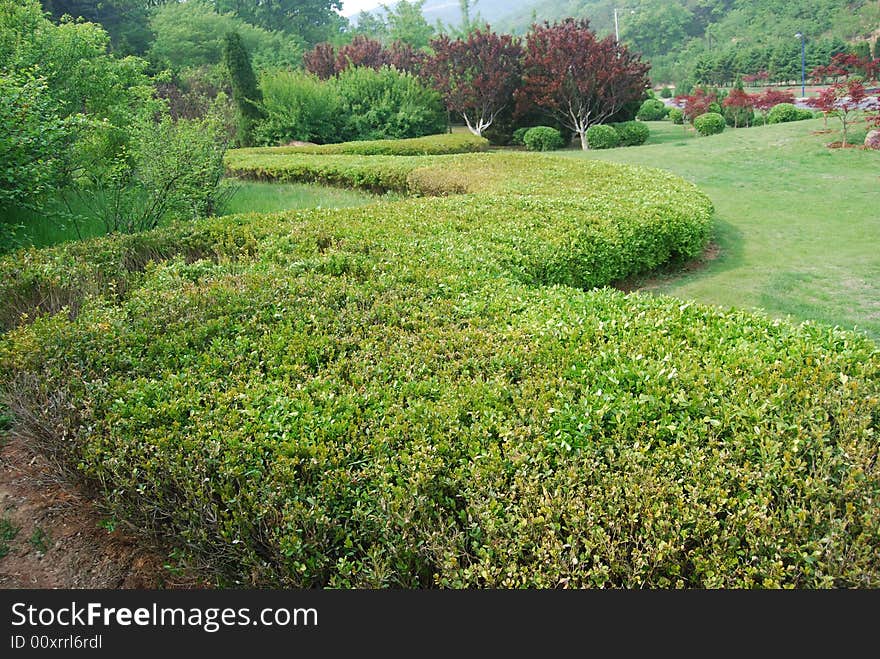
{"points": [[632, 133], [602, 136], [421, 393], [786, 112], [543, 138], [416, 146], [710, 123]]}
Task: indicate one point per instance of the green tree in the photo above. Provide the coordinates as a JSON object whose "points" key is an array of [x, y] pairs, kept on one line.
{"points": [[245, 90], [407, 24], [313, 20], [192, 33]]}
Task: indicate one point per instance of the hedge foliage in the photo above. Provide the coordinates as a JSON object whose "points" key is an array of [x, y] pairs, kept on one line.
{"points": [[785, 112], [426, 392], [602, 136], [652, 110], [676, 116], [632, 133], [543, 138], [416, 146], [710, 123]]}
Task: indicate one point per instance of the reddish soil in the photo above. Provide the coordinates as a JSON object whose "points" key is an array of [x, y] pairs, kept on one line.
{"points": [[59, 542], [839, 145]]}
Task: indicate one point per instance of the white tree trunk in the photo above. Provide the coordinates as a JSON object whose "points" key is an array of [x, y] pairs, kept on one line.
{"points": [[584, 144]]}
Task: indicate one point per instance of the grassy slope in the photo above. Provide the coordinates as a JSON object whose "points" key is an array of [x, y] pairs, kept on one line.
{"points": [[797, 223]]}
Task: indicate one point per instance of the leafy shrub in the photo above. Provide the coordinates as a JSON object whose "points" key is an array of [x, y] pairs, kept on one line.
{"points": [[652, 110], [298, 106], [518, 136], [543, 138], [715, 108], [632, 133], [740, 117], [386, 104], [666, 92], [676, 116], [786, 112], [602, 137], [710, 123]]}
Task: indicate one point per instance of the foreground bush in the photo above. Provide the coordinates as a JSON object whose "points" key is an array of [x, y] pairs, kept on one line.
{"points": [[602, 137], [517, 139], [652, 110], [543, 138], [422, 394], [676, 116], [632, 133], [710, 123]]}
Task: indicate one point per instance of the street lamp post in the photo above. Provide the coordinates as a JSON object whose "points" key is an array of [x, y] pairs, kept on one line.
{"points": [[617, 22], [800, 35]]}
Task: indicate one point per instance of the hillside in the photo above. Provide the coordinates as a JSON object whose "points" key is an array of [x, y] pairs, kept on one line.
{"points": [[673, 34]]}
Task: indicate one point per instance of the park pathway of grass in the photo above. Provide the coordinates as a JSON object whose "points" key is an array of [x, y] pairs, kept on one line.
{"points": [[798, 224]]}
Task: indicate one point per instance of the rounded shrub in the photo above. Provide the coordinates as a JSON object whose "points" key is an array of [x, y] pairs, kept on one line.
{"points": [[602, 136], [632, 133], [710, 123], [666, 92], [786, 112], [519, 135], [543, 138], [652, 110], [676, 116]]}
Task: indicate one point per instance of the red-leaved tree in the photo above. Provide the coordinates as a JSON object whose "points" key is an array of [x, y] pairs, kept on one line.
{"points": [[321, 61], [769, 99], [403, 57], [362, 51], [696, 104], [575, 77], [476, 75], [741, 105]]}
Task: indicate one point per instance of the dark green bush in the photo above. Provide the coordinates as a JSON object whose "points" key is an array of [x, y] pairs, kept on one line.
{"points": [[739, 117], [786, 112], [518, 136], [386, 104], [632, 133], [422, 393], [602, 137], [652, 110], [543, 138], [666, 92], [710, 123], [676, 116]]}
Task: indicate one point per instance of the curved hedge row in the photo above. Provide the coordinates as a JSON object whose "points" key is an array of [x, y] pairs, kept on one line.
{"points": [[406, 395], [432, 145]]}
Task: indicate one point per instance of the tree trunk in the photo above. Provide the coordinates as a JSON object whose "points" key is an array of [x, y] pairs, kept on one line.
{"points": [[584, 144]]}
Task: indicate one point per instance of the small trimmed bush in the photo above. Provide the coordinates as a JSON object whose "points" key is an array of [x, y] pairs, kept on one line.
{"points": [[543, 138], [710, 123], [652, 110], [518, 136], [632, 133], [602, 136], [786, 112], [666, 92], [676, 116]]}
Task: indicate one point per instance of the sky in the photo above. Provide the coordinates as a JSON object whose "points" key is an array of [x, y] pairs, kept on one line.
{"points": [[352, 7]]}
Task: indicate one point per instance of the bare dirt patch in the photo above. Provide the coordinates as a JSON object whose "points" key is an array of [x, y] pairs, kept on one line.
{"points": [[668, 273], [52, 537]]}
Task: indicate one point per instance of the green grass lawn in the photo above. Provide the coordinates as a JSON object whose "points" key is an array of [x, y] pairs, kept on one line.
{"points": [[798, 224], [43, 230]]}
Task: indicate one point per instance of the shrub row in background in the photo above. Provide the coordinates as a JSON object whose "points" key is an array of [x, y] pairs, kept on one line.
{"points": [[543, 138], [419, 394], [628, 133], [785, 112], [710, 123], [652, 110], [358, 104]]}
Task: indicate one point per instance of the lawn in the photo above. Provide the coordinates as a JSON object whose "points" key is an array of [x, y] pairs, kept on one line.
{"points": [[797, 223], [43, 230]]}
